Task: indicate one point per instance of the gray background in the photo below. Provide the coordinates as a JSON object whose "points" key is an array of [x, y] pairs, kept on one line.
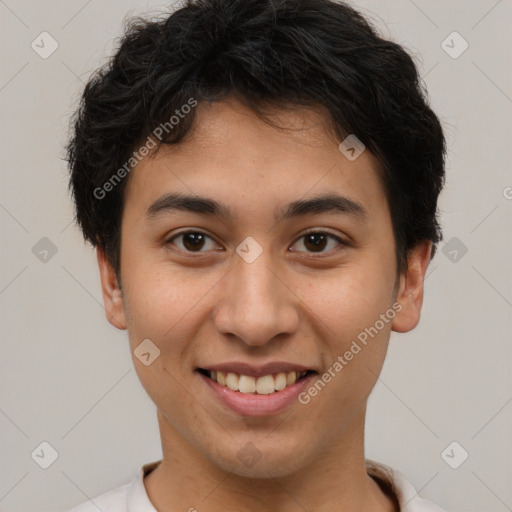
{"points": [[67, 377]]}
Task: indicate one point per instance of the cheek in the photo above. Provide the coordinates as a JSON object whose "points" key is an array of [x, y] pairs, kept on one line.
{"points": [[347, 307], [350, 299], [167, 307], [163, 306], [164, 300]]}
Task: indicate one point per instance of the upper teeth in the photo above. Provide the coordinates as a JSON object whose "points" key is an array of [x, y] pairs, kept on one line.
{"points": [[264, 385]]}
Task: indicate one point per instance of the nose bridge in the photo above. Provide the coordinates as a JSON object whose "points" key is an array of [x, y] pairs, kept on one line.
{"points": [[256, 305]]}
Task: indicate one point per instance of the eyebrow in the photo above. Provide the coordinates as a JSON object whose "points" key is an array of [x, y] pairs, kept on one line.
{"points": [[327, 203]]}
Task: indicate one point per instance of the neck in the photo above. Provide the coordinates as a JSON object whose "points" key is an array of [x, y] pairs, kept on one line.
{"points": [[335, 479]]}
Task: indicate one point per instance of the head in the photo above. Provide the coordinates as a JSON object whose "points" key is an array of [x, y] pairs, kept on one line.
{"points": [[246, 104]]}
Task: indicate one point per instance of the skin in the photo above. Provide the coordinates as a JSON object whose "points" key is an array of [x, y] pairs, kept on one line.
{"points": [[208, 306]]}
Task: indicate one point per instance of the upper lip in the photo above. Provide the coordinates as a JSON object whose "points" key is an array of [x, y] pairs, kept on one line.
{"points": [[256, 370]]}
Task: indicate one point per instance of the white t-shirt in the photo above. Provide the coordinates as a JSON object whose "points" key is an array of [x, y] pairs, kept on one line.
{"points": [[132, 497]]}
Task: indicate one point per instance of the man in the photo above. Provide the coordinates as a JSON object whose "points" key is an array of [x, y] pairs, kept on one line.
{"points": [[260, 180]]}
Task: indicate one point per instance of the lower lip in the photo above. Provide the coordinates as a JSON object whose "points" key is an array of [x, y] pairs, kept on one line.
{"points": [[249, 404]]}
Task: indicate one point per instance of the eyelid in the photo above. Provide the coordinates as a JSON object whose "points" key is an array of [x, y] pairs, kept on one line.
{"points": [[324, 231]]}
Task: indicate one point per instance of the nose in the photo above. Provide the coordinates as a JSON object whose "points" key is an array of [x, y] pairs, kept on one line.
{"points": [[256, 304]]}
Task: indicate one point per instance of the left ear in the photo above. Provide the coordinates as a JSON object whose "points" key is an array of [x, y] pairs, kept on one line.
{"points": [[410, 290]]}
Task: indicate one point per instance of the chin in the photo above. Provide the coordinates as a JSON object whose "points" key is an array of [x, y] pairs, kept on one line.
{"points": [[266, 462]]}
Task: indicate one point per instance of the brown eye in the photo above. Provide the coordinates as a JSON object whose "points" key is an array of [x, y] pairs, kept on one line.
{"points": [[191, 241], [317, 241]]}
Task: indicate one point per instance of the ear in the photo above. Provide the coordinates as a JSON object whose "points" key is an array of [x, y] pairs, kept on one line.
{"points": [[112, 294], [410, 290]]}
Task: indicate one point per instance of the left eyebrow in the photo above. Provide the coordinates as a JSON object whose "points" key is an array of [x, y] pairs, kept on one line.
{"points": [[326, 203]]}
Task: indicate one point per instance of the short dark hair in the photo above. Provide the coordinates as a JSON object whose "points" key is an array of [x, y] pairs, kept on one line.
{"points": [[266, 53]]}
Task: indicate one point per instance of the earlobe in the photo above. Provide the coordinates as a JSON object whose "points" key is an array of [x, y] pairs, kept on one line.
{"points": [[112, 293], [410, 292]]}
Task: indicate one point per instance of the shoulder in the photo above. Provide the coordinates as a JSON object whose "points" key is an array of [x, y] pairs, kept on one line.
{"points": [[114, 500], [406, 495], [130, 497]]}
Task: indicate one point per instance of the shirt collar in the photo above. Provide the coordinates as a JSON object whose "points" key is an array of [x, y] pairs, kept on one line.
{"points": [[406, 495], [408, 498], [137, 498]]}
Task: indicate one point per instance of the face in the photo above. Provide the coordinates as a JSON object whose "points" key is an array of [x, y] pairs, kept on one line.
{"points": [[259, 288]]}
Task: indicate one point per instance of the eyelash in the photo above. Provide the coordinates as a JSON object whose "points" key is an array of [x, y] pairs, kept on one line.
{"points": [[310, 232]]}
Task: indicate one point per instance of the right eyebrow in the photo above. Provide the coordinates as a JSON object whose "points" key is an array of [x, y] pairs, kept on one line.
{"points": [[184, 202]]}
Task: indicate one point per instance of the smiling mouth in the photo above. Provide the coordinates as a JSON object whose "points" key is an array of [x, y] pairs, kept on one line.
{"points": [[264, 385]]}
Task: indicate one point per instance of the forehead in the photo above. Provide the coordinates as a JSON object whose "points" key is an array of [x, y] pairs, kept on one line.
{"points": [[232, 155]]}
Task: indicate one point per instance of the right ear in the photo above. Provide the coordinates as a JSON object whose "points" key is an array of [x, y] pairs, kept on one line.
{"points": [[112, 294]]}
